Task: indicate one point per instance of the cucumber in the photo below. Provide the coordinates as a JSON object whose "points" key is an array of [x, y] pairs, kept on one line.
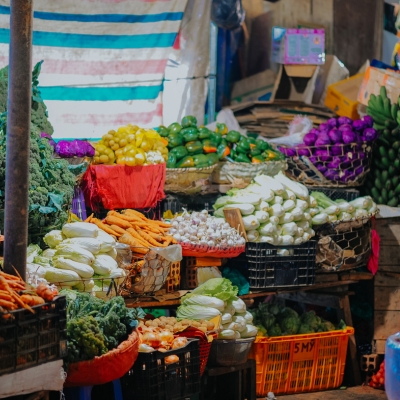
{"points": [[377, 173], [383, 92], [384, 194], [387, 108], [380, 200], [392, 171], [391, 194], [382, 151], [395, 180], [379, 185], [396, 163], [392, 154], [384, 142], [384, 176], [396, 145], [397, 190], [385, 162], [393, 110], [378, 164], [393, 202], [375, 192]]}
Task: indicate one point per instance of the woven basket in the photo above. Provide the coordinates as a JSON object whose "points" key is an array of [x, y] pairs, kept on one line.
{"points": [[188, 181], [243, 173]]}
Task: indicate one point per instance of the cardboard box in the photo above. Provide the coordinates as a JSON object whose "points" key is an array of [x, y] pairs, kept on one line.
{"points": [[298, 46], [295, 83], [256, 87], [342, 96], [374, 78], [331, 72]]}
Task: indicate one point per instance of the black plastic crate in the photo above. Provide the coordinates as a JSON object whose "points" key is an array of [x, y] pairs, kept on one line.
{"points": [[152, 379], [28, 339], [269, 269], [336, 194]]}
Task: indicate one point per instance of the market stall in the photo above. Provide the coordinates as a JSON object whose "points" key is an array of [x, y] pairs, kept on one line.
{"points": [[165, 260]]}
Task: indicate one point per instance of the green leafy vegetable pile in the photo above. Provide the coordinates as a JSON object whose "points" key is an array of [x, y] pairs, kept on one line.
{"points": [[273, 320], [95, 326], [51, 184]]}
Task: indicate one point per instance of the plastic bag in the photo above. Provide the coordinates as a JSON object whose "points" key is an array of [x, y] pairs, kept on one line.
{"points": [[298, 128], [227, 117], [237, 279], [227, 14]]}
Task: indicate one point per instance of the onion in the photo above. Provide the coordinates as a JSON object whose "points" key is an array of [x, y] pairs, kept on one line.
{"points": [[166, 336], [151, 339]]}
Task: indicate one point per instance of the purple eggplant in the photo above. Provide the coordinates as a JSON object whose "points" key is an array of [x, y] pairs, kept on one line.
{"points": [[368, 121], [370, 134], [348, 136], [344, 121], [310, 139], [335, 136], [359, 125]]}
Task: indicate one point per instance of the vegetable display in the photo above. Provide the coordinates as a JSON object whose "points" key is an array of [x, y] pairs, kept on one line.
{"points": [[74, 148], [383, 181], [275, 210], [339, 150], [281, 212], [158, 334], [134, 229], [81, 256], [131, 145], [378, 380], [191, 146], [15, 294], [274, 320], [95, 326], [204, 229], [217, 298], [51, 184]]}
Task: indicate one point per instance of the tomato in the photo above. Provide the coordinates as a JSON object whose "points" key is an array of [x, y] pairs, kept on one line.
{"points": [[381, 381], [375, 379], [379, 374]]}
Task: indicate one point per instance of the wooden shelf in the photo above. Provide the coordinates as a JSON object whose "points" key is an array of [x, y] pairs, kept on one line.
{"points": [[170, 303]]}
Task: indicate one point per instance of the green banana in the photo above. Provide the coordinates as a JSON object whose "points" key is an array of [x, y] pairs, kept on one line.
{"points": [[383, 92], [387, 107], [394, 110]]}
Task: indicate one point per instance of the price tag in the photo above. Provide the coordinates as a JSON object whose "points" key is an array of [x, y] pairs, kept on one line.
{"points": [[304, 350]]}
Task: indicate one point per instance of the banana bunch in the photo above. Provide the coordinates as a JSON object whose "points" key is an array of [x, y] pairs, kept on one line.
{"points": [[384, 113]]}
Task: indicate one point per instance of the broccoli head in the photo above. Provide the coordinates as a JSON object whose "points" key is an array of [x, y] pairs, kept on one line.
{"points": [[290, 325], [275, 330], [304, 328]]}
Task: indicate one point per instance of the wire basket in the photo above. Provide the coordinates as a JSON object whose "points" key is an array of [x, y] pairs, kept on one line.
{"points": [[341, 165], [146, 275], [344, 250]]}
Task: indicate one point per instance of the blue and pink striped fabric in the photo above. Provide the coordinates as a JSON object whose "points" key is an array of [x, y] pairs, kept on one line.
{"points": [[104, 60]]}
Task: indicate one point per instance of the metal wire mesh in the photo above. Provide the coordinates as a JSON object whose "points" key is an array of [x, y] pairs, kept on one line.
{"points": [[341, 165], [344, 250]]}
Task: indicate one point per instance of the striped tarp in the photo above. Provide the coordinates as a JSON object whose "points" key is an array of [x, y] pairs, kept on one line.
{"points": [[104, 60]]}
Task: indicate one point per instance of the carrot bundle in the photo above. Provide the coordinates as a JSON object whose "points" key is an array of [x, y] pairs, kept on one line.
{"points": [[133, 228]]}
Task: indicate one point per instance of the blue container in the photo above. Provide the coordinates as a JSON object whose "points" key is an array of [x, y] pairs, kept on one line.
{"points": [[392, 367]]}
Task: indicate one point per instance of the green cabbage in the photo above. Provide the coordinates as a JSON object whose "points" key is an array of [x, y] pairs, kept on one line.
{"points": [[275, 330], [304, 328], [290, 325], [220, 288]]}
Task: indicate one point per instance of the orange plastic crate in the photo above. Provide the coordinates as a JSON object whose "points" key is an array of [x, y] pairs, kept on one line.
{"points": [[300, 363]]}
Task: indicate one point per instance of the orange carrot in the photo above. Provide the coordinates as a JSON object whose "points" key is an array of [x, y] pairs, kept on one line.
{"points": [[127, 238], [148, 238], [9, 277], [103, 227], [32, 300], [129, 218], [7, 304], [112, 220], [118, 229], [138, 238], [134, 212], [5, 297], [89, 218]]}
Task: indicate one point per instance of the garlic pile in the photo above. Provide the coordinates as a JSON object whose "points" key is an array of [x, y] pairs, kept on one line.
{"points": [[204, 229]]}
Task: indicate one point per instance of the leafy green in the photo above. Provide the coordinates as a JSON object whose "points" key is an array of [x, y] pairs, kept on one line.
{"points": [[51, 184], [275, 330], [218, 287], [290, 325]]}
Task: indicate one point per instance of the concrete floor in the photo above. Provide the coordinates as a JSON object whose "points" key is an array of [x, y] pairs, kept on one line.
{"points": [[354, 393]]}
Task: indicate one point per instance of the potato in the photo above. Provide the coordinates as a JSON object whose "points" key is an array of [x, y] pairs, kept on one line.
{"points": [[203, 329], [149, 323], [210, 325], [196, 323], [169, 327]]}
